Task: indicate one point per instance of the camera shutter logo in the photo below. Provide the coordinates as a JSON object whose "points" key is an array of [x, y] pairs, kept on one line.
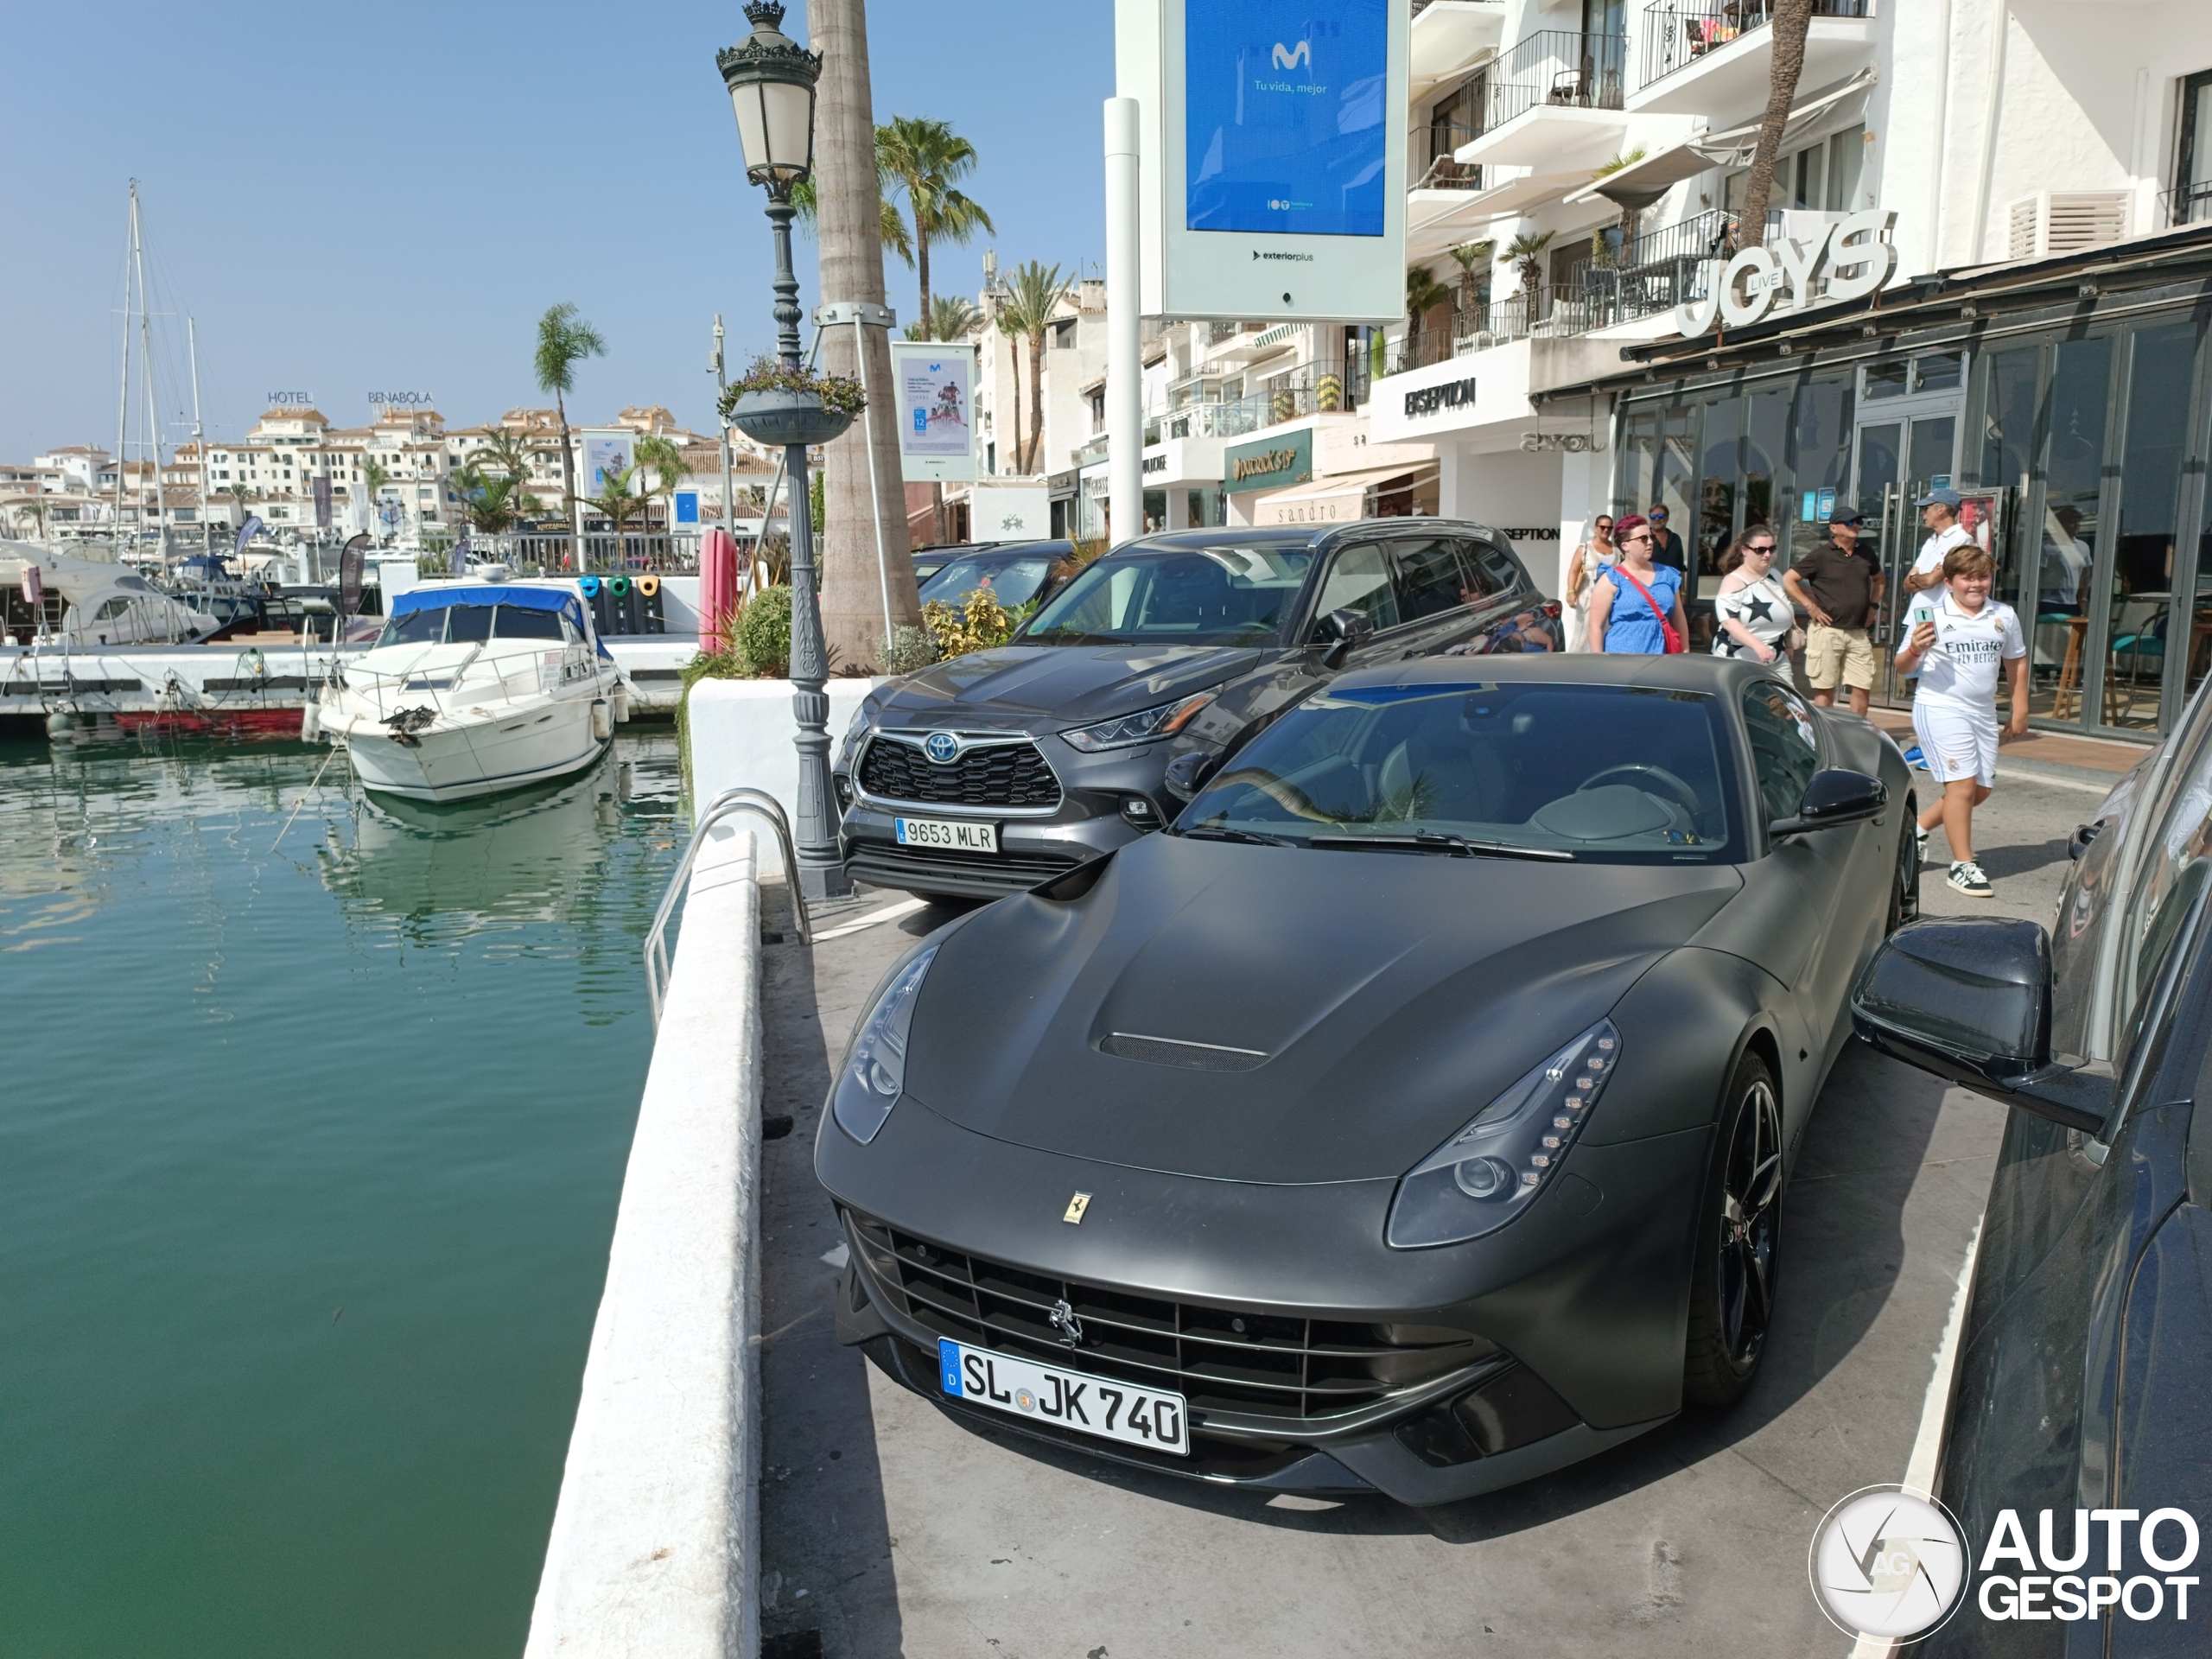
{"points": [[943, 747], [1887, 1562]]}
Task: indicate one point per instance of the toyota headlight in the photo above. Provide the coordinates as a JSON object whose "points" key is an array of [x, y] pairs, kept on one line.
{"points": [[870, 1085], [1492, 1170], [862, 725], [1121, 733]]}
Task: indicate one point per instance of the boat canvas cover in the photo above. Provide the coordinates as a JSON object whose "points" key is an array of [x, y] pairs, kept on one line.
{"points": [[527, 599]]}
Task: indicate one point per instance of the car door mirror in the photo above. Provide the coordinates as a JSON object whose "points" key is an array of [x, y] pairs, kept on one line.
{"points": [[1346, 630], [1188, 772], [1970, 1002], [1833, 798]]}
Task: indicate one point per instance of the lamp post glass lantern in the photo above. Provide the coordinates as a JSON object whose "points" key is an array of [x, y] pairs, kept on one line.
{"points": [[770, 79]]}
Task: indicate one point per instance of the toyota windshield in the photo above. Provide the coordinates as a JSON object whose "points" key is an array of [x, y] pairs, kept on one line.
{"points": [[1226, 595]]}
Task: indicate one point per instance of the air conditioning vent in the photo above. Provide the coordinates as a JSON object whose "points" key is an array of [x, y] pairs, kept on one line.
{"points": [[2050, 222]]}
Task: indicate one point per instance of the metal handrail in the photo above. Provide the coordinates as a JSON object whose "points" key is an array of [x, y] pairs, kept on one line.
{"points": [[730, 802]]}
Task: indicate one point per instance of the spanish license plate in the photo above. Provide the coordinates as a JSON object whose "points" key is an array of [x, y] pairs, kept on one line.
{"points": [[1089, 1405], [956, 836]]}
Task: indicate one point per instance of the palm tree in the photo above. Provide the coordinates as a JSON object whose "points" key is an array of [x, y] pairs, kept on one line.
{"points": [[667, 462], [1472, 256], [928, 159], [507, 451], [1033, 297], [1525, 253], [892, 228], [950, 317], [564, 339], [489, 503], [1423, 293], [617, 501], [1791, 19]]}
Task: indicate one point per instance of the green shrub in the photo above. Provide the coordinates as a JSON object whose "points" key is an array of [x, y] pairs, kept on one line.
{"points": [[764, 632]]}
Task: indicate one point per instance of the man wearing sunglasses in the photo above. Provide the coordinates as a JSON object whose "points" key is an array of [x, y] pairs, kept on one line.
{"points": [[1666, 546], [1840, 587]]}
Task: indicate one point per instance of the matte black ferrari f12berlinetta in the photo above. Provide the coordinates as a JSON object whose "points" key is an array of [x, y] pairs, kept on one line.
{"points": [[1413, 1114]]}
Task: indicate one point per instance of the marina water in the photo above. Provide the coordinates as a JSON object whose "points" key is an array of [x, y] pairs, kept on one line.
{"points": [[310, 1158]]}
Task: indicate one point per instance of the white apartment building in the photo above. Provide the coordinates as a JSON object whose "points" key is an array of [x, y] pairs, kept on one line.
{"points": [[1616, 136]]}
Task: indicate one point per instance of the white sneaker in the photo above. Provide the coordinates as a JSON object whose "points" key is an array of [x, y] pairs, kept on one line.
{"points": [[1967, 877]]}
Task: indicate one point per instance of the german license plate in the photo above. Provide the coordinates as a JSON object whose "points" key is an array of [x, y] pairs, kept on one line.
{"points": [[953, 834], [1089, 1405]]}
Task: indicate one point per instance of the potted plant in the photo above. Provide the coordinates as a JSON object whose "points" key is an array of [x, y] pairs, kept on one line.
{"points": [[773, 405]]}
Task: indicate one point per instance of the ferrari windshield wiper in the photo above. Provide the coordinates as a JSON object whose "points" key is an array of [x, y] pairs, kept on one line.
{"points": [[1433, 841], [1252, 836]]}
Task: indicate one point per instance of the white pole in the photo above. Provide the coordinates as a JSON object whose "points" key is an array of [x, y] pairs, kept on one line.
{"points": [[200, 441], [146, 366], [1124, 330], [875, 490]]}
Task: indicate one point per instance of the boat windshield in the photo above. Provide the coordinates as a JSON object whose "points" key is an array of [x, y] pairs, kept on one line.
{"points": [[1233, 594], [458, 623]]}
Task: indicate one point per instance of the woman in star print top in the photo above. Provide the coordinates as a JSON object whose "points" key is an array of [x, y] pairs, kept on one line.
{"points": [[1754, 614]]}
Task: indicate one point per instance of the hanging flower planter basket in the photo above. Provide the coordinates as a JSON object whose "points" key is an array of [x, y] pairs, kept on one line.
{"points": [[781, 418]]}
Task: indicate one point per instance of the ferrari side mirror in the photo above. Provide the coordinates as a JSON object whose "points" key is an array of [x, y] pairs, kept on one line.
{"points": [[1833, 798], [1188, 772]]}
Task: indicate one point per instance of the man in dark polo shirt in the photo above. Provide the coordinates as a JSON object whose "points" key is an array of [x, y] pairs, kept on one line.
{"points": [[1666, 545], [1840, 588]]}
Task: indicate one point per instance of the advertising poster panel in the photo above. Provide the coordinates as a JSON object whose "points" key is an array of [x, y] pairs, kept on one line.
{"points": [[935, 382], [1272, 135], [608, 454]]}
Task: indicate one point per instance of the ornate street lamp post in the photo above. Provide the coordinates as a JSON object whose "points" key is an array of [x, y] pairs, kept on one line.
{"points": [[770, 79]]}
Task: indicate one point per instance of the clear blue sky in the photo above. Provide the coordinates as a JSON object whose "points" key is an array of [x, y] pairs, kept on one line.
{"points": [[353, 199]]}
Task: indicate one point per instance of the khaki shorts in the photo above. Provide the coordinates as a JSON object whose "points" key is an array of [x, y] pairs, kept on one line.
{"points": [[1833, 654]]}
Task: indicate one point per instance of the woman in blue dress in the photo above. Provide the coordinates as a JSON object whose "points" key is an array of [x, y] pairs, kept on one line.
{"points": [[1637, 606]]}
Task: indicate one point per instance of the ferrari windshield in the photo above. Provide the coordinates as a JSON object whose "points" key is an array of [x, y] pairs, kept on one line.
{"points": [[1226, 595], [1607, 773]]}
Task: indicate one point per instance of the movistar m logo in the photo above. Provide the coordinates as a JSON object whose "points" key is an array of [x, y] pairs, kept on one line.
{"points": [[1289, 57]]}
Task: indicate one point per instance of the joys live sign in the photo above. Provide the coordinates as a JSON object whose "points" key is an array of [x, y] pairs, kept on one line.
{"points": [[1846, 261]]}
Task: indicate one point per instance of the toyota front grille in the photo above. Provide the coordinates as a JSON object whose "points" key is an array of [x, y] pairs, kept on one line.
{"points": [[1005, 775]]}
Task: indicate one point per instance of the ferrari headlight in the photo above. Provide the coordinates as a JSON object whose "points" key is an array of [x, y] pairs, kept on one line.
{"points": [[870, 1085], [1163, 721], [1492, 1170]]}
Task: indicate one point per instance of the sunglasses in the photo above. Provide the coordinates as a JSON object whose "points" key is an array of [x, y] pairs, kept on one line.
{"points": [[1657, 515], [1604, 523], [1760, 547], [1637, 535]]}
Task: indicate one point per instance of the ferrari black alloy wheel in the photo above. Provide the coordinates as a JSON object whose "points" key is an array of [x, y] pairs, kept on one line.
{"points": [[1740, 1236], [1904, 885]]}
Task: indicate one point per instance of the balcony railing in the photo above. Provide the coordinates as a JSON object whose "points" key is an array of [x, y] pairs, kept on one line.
{"points": [[1660, 270], [1562, 66], [1429, 157], [2189, 204], [1677, 33]]}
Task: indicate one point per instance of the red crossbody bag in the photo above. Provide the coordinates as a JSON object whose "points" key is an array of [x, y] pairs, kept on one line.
{"points": [[1667, 629]]}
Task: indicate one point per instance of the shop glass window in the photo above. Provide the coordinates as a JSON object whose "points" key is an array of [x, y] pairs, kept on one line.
{"points": [[1764, 473], [2065, 539], [1820, 460], [2140, 599], [1941, 373], [1886, 380], [1708, 539]]}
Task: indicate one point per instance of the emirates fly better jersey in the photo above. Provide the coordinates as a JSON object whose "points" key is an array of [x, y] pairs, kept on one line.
{"points": [[1960, 668]]}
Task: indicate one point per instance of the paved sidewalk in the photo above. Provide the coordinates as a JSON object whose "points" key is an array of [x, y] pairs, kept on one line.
{"points": [[889, 1528]]}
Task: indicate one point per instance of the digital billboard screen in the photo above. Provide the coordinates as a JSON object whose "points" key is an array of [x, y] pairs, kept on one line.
{"points": [[1284, 104]]}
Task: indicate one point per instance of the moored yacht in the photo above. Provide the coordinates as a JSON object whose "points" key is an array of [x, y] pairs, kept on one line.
{"points": [[477, 686]]}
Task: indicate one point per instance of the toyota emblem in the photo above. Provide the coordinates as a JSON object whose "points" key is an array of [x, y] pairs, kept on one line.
{"points": [[942, 747]]}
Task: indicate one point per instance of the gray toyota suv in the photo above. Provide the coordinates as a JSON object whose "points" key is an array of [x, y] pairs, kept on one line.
{"points": [[993, 772]]}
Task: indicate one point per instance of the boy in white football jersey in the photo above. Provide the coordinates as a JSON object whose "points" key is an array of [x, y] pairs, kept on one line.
{"points": [[1956, 640]]}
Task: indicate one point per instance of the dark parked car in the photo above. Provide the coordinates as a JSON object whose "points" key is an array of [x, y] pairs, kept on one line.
{"points": [[2082, 1380], [1413, 1114], [995, 771], [1016, 573], [928, 561]]}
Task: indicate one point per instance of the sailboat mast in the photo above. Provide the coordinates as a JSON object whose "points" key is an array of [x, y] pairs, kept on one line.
{"points": [[123, 392], [199, 440], [146, 368]]}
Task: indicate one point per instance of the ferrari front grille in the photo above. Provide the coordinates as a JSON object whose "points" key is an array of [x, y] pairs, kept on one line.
{"points": [[1222, 1359]]}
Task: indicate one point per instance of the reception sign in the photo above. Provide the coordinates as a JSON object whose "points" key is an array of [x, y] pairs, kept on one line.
{"points": [[935, 384]]}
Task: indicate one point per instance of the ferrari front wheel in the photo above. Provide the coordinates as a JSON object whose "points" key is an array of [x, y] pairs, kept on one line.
{"points": [[1738, 1243]]}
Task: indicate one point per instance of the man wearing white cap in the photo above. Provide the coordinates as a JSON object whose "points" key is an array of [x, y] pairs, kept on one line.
{"points": [[1939, 511]]}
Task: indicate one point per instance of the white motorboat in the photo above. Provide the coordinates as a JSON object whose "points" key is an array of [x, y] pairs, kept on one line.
{"points": [[474, 688]]}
